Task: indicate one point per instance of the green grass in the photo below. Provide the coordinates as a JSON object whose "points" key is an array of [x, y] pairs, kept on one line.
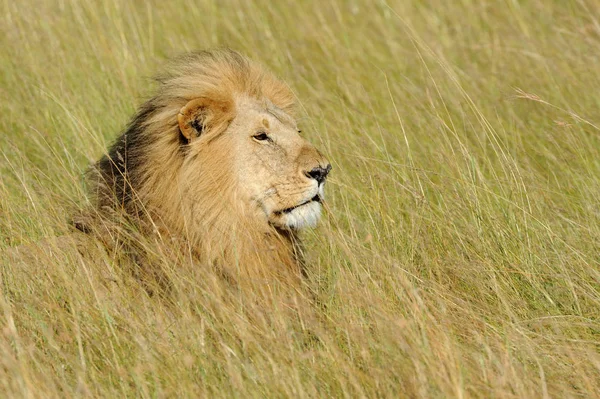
{"points": [[460, 256]]}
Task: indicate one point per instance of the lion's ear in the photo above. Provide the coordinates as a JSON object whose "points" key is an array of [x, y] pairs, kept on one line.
{"points": [[203, 114], [191, 118]]}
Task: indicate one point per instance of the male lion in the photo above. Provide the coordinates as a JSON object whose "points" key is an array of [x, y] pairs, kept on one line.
{"points": [[215, 160]]}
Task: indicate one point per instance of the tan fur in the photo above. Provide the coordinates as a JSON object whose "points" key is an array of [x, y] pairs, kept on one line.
{"points": [[197, 170]]}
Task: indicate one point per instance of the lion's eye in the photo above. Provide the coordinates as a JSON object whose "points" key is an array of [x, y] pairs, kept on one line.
{"points": [[261, 136]]}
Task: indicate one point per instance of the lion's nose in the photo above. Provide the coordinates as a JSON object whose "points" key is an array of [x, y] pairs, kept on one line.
{"points": [[319, 173]]}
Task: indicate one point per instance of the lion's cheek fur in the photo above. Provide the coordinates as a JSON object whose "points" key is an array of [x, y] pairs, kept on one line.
{"points": [[218, 223]]}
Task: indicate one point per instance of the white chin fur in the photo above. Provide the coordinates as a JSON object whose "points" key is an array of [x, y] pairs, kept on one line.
{"points": [[303, 216]]}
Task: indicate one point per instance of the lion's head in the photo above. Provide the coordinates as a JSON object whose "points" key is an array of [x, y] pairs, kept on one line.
{"points": [[278, 176], [216, 157]]}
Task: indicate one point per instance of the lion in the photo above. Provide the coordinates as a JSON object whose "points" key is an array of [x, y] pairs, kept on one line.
{"points": [[215, 160]]}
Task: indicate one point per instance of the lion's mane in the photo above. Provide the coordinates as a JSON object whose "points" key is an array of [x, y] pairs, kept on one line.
{"points": [[147, 176]]}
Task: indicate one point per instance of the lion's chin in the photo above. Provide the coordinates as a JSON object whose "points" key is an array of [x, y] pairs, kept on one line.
{"points": [[301, 217]]}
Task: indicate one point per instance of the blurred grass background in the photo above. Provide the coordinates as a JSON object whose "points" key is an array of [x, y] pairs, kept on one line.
{"points": [[460, 255]]}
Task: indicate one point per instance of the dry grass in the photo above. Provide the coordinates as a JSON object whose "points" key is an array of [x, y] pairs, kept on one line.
{"points": [[460, 255]]}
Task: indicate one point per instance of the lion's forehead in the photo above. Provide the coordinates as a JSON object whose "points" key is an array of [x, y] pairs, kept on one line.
{"points": [[265, 108], [280, 115]]}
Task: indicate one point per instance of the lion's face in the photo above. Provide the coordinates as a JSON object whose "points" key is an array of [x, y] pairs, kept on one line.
{"points": [[256, 148], [280, 175]]}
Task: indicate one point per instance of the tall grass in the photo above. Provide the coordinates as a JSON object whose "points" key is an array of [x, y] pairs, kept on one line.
{"points": [[460, 256]]}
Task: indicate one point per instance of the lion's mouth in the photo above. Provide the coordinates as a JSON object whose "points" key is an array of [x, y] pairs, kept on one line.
{"points": [[316, 198]]}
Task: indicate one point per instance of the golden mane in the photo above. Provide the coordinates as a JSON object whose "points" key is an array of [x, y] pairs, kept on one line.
{"points": [[150, 176]]}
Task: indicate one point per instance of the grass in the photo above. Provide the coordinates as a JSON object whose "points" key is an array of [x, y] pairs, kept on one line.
{"points": [[460, 256]]}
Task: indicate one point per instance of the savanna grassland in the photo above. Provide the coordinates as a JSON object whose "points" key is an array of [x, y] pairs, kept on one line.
{"points": [[460, 253]]}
